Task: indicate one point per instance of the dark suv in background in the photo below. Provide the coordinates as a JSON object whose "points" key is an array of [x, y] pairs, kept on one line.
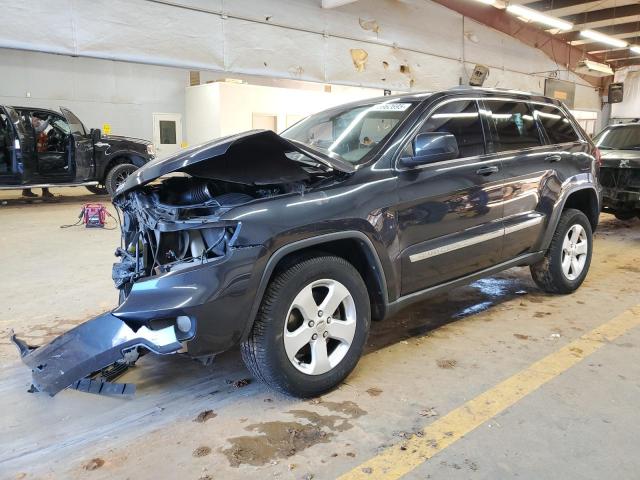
{"points": [[42, 148], [290, 244], [620, 170]]}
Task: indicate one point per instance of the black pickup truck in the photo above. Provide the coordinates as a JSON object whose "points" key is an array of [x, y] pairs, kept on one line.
{"points": [[43, 148]]}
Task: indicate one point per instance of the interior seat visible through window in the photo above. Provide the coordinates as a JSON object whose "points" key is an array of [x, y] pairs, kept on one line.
{"points": [[515, 127]]}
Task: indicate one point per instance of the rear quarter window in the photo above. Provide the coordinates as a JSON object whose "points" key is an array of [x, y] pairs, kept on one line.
{"points": [[557, 126]]}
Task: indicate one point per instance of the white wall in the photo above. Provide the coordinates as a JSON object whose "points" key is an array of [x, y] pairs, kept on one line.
{"points": [[122, 94], [293, 39], [218, 109], [630, 106]]}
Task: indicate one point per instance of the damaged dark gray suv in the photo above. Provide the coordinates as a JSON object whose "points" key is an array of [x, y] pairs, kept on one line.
{"points": [[290, 244]]}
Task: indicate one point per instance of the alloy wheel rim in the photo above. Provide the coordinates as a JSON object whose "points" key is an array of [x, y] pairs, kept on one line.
{"points": [[320, 326], [574, 251], [120, 179]]}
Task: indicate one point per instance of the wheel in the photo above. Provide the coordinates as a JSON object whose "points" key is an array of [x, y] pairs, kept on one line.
{"points": [[97, 189], [311, 327], [117, 176], [566, 262], [624, 215]]}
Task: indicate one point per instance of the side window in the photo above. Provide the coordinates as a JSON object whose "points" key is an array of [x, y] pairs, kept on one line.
{"points": [[514, 125], [461, 119], [555, 124]]}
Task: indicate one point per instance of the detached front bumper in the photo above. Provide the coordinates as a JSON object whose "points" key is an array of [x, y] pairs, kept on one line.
{"points": [[89, 348]]}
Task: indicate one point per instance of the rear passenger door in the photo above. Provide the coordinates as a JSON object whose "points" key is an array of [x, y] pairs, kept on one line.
{"points": [[530, 178], [449, 212]]}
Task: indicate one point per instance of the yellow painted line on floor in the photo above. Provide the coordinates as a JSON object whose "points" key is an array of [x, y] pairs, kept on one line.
{"points": [[400, 459]]}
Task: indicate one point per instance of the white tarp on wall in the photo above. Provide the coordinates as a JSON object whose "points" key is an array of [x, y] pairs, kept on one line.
{"points": [[630, 105], [408, 44]]}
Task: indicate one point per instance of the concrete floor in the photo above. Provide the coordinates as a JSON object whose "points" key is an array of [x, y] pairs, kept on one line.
{"points": [[425, 362]]}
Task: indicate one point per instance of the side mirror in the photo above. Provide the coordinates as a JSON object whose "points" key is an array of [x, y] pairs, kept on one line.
{"points": [[96, 134], [432, 147]]}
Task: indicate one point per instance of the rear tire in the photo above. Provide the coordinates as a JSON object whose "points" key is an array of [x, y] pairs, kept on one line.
{"points": [[97, 189], [566, 262], [117, 176], [297, 348], [624, 215]]}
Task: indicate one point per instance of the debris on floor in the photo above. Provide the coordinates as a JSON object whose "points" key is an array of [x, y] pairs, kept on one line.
{"points": [[374, 391], [205, 415], [243, 382], [202, 451], [447, 363], [428, 412], [94, 464]]}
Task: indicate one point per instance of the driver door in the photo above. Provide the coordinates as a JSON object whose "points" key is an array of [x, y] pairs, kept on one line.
{"points": [[450, 212], [21, 147], [82, 161]]}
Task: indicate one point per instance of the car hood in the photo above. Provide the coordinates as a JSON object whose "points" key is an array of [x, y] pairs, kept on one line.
{"points": [[256, 157], [620, 158], [121, 138]]}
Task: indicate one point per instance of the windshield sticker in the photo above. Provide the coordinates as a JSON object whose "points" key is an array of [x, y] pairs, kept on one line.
{"points": [[390, 107]]}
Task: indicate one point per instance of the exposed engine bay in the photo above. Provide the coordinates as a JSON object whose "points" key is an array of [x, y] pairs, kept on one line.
{"points": [[177, 222]]}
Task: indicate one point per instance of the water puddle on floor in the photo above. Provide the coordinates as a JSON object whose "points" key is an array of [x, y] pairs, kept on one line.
{"points": [[276, 440]]}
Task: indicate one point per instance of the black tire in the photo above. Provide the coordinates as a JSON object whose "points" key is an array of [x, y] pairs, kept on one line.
{"points": [[548, 273], [624, 215], [264, 351], [117, 175], [97, 189]]}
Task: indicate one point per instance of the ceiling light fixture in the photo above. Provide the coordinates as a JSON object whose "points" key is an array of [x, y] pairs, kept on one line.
{"points": [[602, 38], [535, 16], [635, 48]]}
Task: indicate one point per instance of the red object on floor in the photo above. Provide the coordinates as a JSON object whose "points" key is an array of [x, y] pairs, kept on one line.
{"points": [[94, 215]]}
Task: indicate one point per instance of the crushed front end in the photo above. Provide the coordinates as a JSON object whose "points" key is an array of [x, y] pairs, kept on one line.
{"points": [[620, 179], [186, 281]]}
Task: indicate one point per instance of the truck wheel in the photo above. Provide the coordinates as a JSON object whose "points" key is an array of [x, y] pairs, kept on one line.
{"points": [[311, 327], [117, 176], [566, 262], [624, 215], [97, 189]]}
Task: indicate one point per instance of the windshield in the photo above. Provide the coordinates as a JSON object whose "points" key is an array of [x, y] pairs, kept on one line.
{"points": [[619, 138], [350, 132]]}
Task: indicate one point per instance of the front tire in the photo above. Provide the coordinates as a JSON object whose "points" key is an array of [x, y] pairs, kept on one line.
{"points": [[311, 327], [117, 176], [566, 262]]}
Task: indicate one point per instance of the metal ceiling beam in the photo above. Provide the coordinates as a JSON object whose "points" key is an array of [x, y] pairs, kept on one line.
{"points": [[620, 29], [622, 53], [555, 48], [601, 15], [545, 5], [616, 64]]}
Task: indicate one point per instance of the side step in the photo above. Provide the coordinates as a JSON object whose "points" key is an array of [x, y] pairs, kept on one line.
{"points": [[47, 185]]}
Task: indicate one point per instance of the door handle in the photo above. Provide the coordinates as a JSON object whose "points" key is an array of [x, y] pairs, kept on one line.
{"points": [[484, 171], [553, 158]]}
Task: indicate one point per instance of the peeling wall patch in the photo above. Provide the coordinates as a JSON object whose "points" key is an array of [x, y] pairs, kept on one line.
{"points": [[371, 25], [405, 69], [359, 58]]}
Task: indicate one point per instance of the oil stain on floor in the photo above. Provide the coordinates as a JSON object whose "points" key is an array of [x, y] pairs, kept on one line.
{"points": [[281, 439]]}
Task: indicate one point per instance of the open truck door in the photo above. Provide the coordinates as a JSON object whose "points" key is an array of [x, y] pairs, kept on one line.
{"points": [[81, 145], [22, 165]]}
